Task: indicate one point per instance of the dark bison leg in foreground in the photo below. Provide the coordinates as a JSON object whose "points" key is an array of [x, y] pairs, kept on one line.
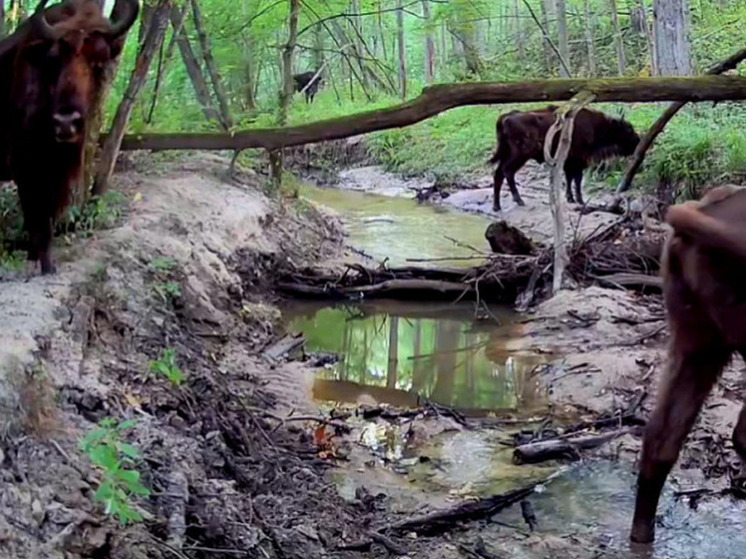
{"points": [[53, 66], [704, 270]]}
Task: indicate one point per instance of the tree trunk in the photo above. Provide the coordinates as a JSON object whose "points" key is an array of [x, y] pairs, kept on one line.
{"points": [[212, 68], [621, 56], [193, 68], [401, 49], [146, 14], [546, 7], [590, 41], [2, 18], [151, 43], [672, 46], [438, 98], [429, 43], [563, 43], [393, 362], [648, 38], [318, 47], [80, 195], [286, 95], [519, 38]]}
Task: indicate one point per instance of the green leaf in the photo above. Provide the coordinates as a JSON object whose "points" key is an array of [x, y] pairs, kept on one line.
{"points": [[129, 451], [105, 457]]}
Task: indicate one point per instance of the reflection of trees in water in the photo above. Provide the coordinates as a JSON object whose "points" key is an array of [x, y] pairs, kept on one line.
{"points": [[448, 361]]}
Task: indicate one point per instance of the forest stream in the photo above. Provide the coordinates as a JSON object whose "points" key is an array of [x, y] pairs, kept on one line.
{"points": [[468, 358]]}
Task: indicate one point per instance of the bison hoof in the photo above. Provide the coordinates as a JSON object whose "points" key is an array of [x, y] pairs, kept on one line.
{"points": [[642, 535], [738, 485], [520, 202], [496, 207]]}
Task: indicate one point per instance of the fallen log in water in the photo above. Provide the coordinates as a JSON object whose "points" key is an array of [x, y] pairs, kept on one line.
{"points": [[563, 448]]}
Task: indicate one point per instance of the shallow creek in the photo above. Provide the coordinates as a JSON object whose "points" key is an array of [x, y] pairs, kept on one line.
{"points": [[456, 355]]}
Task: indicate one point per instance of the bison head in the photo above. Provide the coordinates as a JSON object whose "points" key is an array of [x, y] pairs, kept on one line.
{"points": [[625, 136], [69, 58]]}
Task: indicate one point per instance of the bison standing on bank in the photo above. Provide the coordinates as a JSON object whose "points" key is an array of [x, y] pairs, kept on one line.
{"points": [[520, 137], [51, 70]]}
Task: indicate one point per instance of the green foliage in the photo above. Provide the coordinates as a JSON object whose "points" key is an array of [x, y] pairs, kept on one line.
{"points": [[120, 484], [162, 265], [165, 286], [168, 291], [166, 366], [100, 212]]}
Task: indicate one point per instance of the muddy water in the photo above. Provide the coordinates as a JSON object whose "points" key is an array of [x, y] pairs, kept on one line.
{"points": [[401, 230], [391, 352]]}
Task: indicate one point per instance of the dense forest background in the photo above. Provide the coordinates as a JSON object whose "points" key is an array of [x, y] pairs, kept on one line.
{"points": [[219, 65]]}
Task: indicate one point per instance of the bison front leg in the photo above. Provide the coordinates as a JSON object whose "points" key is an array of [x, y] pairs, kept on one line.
{"points": [[693, 368], [43, 242], [498, 184]]}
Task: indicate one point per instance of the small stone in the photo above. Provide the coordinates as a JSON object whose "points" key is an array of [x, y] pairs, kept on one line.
{"points": [[37, 511]]}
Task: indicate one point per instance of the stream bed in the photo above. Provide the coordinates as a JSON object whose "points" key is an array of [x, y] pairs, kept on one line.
{"points": [[468, 358]]}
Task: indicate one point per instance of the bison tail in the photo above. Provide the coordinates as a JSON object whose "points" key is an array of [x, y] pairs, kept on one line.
{"points": [[707, 231], [495, 157]]}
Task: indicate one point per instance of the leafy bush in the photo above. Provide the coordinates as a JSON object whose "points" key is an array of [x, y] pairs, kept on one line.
{"points": [[119, 483]]}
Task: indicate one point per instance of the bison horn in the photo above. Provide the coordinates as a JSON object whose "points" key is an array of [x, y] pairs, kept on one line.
{"points": [[39, 23], [125, 18]]}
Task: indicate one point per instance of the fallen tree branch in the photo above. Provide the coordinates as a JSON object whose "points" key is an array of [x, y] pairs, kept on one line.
{"points": [[438, 98], [532, 453]]}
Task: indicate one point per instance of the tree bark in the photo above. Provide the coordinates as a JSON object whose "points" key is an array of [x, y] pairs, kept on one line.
{"points": [[2, 18], [212, 67], [621, 56], [80, 196], [401, 49], [648, 38], [438, 98], [547, 22], [520, 39], [153, 38], [193, 68], [590, 41], [286, 94], [672, 45], [429, 43], [563, 43]]}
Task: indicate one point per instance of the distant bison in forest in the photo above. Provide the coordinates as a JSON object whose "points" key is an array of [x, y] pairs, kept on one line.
{"points": [[51, 69], [520, 137], [311, 87]]}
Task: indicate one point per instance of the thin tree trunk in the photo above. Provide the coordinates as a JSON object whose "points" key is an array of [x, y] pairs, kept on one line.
{"points": [[672, 45], [648, 37], [164, 61], [393, 362], [429, 43], [401, 49], [2, 18], [286, 95], [212, 68], [564, 45], [518, 26], [151, 43], [546, 36], [193, 68], [590, 40], [318, 47], [618, 39]]}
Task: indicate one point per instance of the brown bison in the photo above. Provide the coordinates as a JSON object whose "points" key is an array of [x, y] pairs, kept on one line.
{"points": [[520, 137], [51, 69], [704, 262]]}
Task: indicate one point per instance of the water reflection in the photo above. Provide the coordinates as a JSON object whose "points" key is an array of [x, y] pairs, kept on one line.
{"points": [[391, 352]]}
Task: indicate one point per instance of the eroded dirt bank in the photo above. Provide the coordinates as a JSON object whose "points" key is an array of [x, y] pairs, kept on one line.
{"points": [[189, 271]]}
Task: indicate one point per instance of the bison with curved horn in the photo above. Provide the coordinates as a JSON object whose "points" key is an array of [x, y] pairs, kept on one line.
{"points": [[51, 70]]}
